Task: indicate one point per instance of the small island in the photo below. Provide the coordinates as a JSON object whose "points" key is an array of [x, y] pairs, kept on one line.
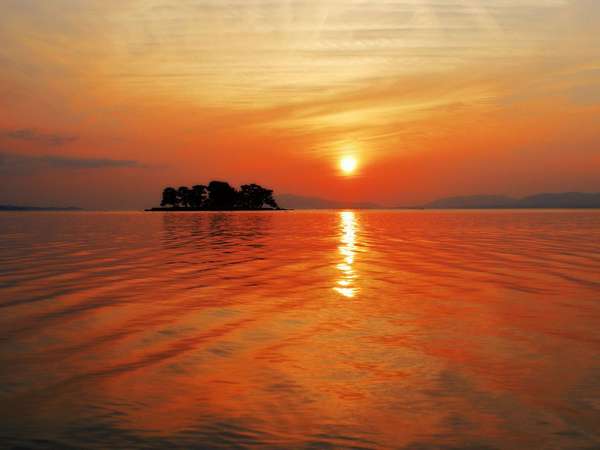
{"points": [[218, 196]]}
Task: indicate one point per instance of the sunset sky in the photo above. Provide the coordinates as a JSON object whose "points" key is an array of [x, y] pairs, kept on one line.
{"points": [[103, 103]]}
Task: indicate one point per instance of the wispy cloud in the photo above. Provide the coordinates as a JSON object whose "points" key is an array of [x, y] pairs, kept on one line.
{"points": [[14, 164], [32, 135]]}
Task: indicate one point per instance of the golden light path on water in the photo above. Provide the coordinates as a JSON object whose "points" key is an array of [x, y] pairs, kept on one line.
{"points": [[346, 284]]}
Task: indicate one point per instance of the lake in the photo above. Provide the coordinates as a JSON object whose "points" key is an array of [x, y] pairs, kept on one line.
{"points": [[300, 329]]}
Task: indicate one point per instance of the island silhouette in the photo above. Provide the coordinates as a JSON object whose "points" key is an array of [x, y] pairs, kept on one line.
{"points": [[217, 196]]}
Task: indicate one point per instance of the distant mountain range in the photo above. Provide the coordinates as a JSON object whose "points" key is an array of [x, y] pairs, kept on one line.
{"points": [[291, 201], [38, 208], [547, 200], [558, 200]]}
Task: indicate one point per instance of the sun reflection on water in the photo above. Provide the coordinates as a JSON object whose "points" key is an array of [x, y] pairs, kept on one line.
{"points": [[346, 284]]}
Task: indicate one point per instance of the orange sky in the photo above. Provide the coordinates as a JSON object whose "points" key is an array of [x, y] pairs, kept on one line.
{"points": [[104, 103]]}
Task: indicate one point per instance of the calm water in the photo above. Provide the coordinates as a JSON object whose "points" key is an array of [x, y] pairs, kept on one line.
{"points": [[316, 330]]}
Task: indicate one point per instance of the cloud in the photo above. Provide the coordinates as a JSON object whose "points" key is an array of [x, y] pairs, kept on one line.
{"points": [[31, 135], [15, 164]]}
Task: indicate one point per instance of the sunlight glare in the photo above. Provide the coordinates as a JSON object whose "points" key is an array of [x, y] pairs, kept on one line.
{"points": [[347, 249], [348, 164]]}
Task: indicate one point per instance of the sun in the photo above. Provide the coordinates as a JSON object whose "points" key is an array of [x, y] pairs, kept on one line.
{"points": [[348, 165]]}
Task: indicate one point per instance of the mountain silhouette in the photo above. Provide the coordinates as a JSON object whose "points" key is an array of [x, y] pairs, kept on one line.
{"points": [[293, 201], [545, 200]]}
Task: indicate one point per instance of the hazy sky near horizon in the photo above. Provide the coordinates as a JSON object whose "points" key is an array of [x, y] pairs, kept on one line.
{"points": [[104, 103]]}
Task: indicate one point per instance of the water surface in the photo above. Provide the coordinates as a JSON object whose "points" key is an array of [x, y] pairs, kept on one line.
{"points": [[355, 329]]}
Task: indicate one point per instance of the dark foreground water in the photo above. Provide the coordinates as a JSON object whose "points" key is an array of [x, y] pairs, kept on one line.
{"points": [[378, 329]]}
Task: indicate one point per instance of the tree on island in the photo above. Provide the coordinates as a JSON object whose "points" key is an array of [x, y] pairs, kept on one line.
{"points": [[169, 197], [184, 195], [253, 196], [219, 196], [199, 195]]}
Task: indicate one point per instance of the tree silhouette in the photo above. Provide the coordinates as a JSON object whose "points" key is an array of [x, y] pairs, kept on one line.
{"points": [[184, 195], [221, 195], [218, 195], [269, 200], [249, 197], [199, 196], [253, 196], [169, 197]]}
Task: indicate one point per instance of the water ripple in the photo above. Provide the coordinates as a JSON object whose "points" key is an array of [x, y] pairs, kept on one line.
{"points": [[364, 329]]}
